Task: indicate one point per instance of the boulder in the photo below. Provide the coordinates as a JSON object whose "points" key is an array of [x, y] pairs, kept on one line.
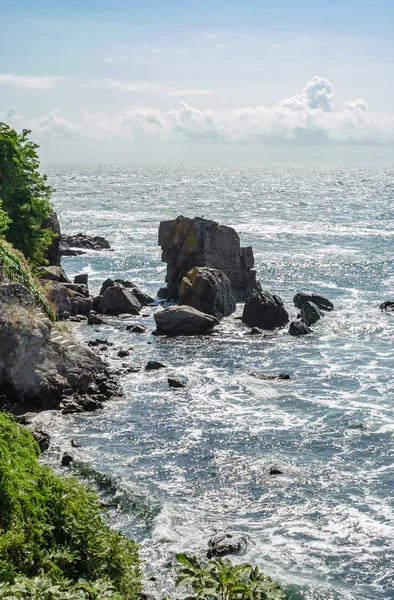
{"points": [[143, 298], [176, 383], [61, 298], [66, 459], [275, 471], [153, 365], [199, 242], [42, 438], [88, 242], [53, 253], [299, 328], [183, 320], [54, 273], [223, 544], [387, 306], [265, 311], [123, 353], [310, 313], [208, 290], [117, 300], [81, 278], [136, 328], [320, 301], [95, 320], [79, 288]]}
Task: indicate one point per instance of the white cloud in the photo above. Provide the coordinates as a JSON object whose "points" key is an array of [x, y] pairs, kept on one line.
{"points": [[177, 93], [29, 82], [308, 118], [124, 85]]}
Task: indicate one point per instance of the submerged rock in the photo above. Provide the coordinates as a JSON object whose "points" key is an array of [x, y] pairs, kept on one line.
{"points": [[199, 242], [299, 328], [320, 301], [270, 377], [183, 320], [265, 311], [208, 290], [223, 544]]}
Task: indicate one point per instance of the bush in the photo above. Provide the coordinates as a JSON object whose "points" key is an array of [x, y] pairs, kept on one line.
{"points": [[221, 580], [42, 588], [24, 194], [53, 526]]}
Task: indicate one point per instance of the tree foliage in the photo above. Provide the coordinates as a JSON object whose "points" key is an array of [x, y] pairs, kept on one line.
{"points": [[221, 580], [24, 195], [52, 526]]}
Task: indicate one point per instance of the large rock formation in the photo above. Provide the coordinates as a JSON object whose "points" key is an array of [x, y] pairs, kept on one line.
{"points": [[198, 242], [88, 242], [207, 290], [41, 365], [320, 301], [183, 320], [264, 310]]}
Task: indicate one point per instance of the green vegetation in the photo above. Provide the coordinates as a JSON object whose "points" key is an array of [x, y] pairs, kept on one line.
{"points": [[14, 268], [52, 529], [221, 580], [24, 196]]}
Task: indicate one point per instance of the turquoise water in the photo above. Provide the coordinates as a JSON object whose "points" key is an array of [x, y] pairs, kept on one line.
{"points": [[184, 464]]}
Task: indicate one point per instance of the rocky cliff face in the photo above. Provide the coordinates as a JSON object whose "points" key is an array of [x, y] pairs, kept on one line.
{"points": [[41, 365], [198, 242]]}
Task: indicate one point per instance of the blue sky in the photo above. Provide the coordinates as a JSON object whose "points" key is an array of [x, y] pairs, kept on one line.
{"points": [[218, 81]]}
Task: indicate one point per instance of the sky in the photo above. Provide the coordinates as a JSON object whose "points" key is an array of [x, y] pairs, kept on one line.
{"points": [[169, 81]]}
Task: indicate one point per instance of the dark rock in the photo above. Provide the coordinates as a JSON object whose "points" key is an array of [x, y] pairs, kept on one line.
{"points": [[54, 273], [65, 250], [42, 438], [117, 300], [320, 301], [183, 320], [223, 544], [387, 306], [62, 299], [77, 288], [162, 293], [198, 242], [88, 242], [299, 328], [143, 298], [81, 278], [153, 364], [265, 311], [310, 313], [256, 331], [53, 254], [275, 471], [95, 320], [123, 353], [270, 377], [74, 444], [176, 383], [96, 303], [208, 290], [99, 342], [136, 328], [66, 459]]}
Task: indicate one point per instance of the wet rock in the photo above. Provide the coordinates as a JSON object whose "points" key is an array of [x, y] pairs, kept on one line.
{"points": [[95, 320], [275, 471], [265, 311], [270, 377], [74, 444], [66, 459], [117, 300], [256, 331], [183, 320], [199, 242], [320, 301], [42, 438], [387, 306], [153, 364], [88, 242], [208, 290], [54, 273], [223, 544], [99, 342], [299, 328], [123, 353], [136, 328], [176, 383], [65, 250], [310, 313], [81, 278]]}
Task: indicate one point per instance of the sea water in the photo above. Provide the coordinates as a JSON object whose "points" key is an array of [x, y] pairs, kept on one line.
{"points": [[184, 464]]}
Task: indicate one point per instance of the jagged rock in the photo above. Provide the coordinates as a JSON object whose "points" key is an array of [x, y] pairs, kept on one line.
{"points": [[270, 377], [82, 278], [320, 301], [198, 242], [153, 365], [117, 300], [95, 320], [39, 365], [54, 273], [310, 313], [183, 320], [53, 253], [176, 383], [299, 328], [208, 290], [143, 298], [265, 311], [223, 544], [66, 459], [88, 242], [387, 306]]}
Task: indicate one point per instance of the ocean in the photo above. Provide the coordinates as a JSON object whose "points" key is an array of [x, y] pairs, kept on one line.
{"points": [[184, 464]]}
